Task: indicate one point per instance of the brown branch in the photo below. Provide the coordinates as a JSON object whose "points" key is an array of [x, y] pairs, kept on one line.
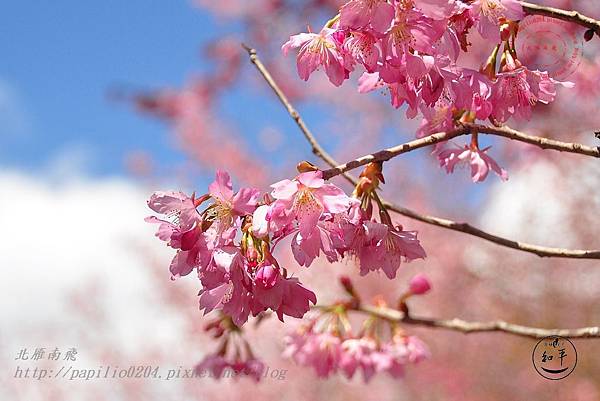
{"points": [[466, 327], [467, 128], [544, 143], [465, 228], [542, 251], [570, 16], [389, 153]]}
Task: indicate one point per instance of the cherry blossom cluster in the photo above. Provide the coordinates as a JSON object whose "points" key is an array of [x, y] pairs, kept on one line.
{"points": [[410, 49], [327, 343], [230, 241], [234, 355]]}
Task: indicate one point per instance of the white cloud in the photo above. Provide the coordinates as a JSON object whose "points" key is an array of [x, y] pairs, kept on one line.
{"points": [[541, 204], [60, 237], [527, 206]]}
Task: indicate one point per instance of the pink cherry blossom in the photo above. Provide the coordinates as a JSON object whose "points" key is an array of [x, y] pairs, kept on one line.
{"points": [[491, 12], [411, 48], [403, 350], [185, 261], [417, 349], [321, 351], [479, 160], [252, 368], [227, 205], [181, 230], [403, 91], [217, 366], [182, 218], [176, 205], [461, 23], [328, 351], [306, 198], [359, 14], [226, 285], [322, 238], [436, 119], [369, 82], [318, 50], [238, 290], [410, 30], [473, 91], [362, 47], [384, 247], [513, 95], [439, 9], [518, 89], [288, 297], [357, 353]]}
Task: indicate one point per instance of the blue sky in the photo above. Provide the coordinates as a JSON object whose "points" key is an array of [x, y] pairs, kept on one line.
{"points": [[59, 59]]}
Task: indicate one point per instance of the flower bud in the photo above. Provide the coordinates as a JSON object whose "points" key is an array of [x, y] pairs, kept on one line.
{"points": [[349, 287], [267, 276], [588, 35], [419, 284], [305, 166], [252, 257]]}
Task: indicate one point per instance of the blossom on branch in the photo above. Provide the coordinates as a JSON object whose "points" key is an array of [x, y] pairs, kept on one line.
{"points": [[479, 161]]}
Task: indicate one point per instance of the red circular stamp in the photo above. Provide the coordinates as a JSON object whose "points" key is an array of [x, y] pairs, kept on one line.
{"points": [[549, 44]]}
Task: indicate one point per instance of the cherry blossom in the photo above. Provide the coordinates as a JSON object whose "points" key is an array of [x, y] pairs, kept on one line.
{"points": [[491, 13], [321, 351], [411, 50], [318, 50], [360, 14], [481, 163], [227, 205], [306, 198], [327, 344], [517, 90], [417, 52]]}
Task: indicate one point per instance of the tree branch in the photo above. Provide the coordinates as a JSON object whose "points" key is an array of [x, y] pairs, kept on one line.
{"points": [[542, 251], [570, 16], [467, 128], [544, 143], [465, 228], [466, 327]]}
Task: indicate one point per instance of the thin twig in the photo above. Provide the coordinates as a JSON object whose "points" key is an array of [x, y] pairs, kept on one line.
{"points": [[570, 16], [465, 228], [464, 326], [316, 148]]}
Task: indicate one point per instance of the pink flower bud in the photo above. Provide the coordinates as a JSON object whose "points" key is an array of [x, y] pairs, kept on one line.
{"points": [[267, 276], [252, 256], [419, 284]]}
